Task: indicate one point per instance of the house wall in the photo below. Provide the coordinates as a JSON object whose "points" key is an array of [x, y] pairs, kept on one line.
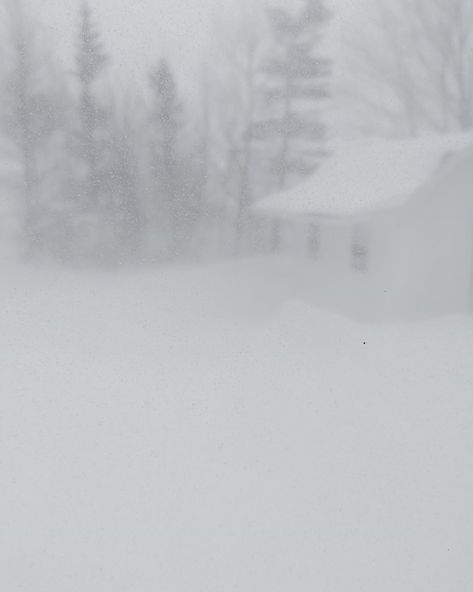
{"points": [[294, 236], [420, 254], [419, 259], [434, 265], [320, 240], [9, 227], [336, 278]]}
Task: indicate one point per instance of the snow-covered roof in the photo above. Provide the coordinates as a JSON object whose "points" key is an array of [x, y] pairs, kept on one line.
{"points": [[366, 175]]}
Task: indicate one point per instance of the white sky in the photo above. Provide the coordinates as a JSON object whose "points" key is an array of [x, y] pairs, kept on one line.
{"points": [[138, 32]]}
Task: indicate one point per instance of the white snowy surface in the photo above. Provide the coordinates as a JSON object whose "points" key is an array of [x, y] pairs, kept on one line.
{"points": [[209, 430], [363, 175]]}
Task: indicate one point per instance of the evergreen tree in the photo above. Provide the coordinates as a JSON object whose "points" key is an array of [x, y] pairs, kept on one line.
{"points": [[296, 80], [91, 60], [90, 145], [32, 114]]}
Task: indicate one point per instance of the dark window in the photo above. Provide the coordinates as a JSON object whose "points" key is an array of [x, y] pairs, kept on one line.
{"points": [[360, 248], [313, 240]]}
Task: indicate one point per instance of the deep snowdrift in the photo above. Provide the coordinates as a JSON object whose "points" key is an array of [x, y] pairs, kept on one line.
{"points": [[206, 430]]}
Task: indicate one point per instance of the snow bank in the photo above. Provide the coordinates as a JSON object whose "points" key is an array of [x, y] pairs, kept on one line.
{"points": [[208, 430]]}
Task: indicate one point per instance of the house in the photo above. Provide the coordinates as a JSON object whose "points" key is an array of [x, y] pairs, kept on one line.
{"points": [[388, 226]]}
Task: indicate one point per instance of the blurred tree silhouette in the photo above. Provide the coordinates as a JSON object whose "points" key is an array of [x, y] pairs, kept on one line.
{"points": [[411, 67]]}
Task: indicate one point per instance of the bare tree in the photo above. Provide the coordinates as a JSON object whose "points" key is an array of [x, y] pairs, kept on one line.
{"points": [[126, 216], [239, 108], [412, 71]]}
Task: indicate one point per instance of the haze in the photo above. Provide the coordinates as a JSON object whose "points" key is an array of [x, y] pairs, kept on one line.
{"points": [[236, 297]]}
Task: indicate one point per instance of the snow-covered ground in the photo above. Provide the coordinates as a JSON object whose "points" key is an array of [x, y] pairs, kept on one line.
{"points": [[208, 430]]}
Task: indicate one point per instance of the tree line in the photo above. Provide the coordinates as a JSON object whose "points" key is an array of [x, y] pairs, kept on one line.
{"points": [[123, 179]]}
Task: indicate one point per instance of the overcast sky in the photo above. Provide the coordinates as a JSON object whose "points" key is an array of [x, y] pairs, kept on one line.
{"points": [[138, 32]]}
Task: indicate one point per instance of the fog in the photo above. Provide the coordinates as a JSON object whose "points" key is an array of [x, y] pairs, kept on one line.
{"points": [[236, 245], [138, 33]]}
